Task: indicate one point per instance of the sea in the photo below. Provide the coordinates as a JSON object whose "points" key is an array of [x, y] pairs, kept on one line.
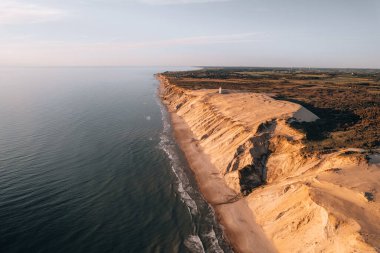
{"points": [[88, 163]]}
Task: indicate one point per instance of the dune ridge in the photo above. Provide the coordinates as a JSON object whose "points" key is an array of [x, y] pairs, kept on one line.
{"points": [[298, 202]]}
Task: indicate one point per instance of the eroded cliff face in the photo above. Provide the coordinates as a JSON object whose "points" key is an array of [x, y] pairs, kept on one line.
{"points": [[304, 202]]}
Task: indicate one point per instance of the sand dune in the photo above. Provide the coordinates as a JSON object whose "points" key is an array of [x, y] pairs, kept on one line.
{"points": [[269, 194]]}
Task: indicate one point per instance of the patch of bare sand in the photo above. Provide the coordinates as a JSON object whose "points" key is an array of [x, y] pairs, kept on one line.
{"points": [[244, 234]]}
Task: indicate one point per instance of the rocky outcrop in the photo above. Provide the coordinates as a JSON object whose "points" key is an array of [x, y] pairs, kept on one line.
{"points": [[304, 202]]}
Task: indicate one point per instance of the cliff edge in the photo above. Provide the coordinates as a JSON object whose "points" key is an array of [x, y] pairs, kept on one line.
{"points": [[302, 202]]}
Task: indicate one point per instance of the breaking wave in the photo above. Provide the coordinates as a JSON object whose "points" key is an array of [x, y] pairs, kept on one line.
{"points": [[207, 237]]}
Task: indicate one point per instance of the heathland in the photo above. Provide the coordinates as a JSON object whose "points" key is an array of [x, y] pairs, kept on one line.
{"points": [[347, 101]]}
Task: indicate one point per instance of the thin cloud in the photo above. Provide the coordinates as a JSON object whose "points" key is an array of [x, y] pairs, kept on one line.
{"points": [[198, 40], [120, 45], [49, 52], [12, 12], [173, 2]]}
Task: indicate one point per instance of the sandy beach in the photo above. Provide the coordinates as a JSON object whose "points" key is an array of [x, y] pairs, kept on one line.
{"points": [[244, 234]]}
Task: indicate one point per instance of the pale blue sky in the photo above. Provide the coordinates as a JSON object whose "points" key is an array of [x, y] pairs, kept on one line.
{"points": [[323, 33]]}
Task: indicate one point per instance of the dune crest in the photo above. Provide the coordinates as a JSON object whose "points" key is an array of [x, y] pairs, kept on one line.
{"points": [[304, 202]]}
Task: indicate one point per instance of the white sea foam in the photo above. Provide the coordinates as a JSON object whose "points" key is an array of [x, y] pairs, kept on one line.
{"points": [[194, 244], [167, 144], [214, 247]]}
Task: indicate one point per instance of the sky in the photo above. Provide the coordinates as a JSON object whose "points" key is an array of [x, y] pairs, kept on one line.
{"points": [[277, 33]]}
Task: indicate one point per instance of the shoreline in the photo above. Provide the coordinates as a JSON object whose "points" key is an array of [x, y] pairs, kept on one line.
{"points": [[232, 212]]}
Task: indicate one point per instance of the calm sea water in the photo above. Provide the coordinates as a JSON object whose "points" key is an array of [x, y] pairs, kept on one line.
{"points": [[88, 164]]}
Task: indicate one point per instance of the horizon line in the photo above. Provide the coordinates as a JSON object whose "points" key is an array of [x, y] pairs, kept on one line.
{"points": [[183, 66]]}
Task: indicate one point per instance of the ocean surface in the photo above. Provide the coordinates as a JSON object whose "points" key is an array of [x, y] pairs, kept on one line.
{"points": [[88, 164]]}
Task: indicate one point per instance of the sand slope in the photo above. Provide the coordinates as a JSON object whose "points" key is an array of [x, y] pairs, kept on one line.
{"points": [[236, 142]]}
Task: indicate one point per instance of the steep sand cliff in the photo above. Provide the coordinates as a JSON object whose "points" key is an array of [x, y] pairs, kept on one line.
{"points": [[248, 158]]}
